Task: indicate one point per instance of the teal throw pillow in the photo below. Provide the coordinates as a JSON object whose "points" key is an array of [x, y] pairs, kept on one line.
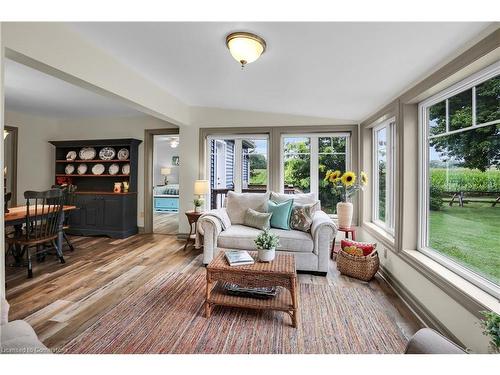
{"points": [[281, 214]]}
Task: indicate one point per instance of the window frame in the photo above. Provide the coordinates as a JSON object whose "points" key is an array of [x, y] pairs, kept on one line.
{"points": [[423, 172], [314, 156], [390, 186]]}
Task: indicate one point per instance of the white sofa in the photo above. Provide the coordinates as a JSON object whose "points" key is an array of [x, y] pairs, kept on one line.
{"points": [[223, 229]]}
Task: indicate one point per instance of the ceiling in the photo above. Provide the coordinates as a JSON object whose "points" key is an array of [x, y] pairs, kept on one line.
{"points": [[333, 70], [30, 91]]}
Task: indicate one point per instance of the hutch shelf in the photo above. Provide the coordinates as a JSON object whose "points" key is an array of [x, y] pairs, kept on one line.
{"points": [[101, 211]]}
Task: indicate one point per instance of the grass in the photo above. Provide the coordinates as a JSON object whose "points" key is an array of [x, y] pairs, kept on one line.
{"points": [[258, 177], [470, 235]]}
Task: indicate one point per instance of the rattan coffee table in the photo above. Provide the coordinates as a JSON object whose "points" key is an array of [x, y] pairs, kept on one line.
{"points": [[280, 272]]}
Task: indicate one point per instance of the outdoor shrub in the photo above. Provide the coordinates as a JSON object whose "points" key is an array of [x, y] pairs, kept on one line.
{"points": [[436, 198]]}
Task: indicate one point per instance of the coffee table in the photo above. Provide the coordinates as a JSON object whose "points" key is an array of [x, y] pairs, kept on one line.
{"points": [[280, 272]]}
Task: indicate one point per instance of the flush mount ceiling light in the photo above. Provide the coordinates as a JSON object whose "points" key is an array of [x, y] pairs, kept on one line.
{"points": [[245, 47]]}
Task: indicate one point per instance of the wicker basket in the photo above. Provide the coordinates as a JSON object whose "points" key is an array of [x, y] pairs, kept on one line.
{"points": [[359, 267]]}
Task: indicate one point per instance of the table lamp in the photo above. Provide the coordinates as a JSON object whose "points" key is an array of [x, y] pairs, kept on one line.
{"points": [[201, 187], [166, 172]]}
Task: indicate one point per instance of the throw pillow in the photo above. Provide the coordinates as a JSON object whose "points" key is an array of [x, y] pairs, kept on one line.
{"points": [[304, 198], [281, 214], [259, 220], [358, 248], [301, 218], [237, 205]]}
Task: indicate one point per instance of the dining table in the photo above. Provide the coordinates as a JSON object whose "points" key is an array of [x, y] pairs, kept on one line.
{"points": [[16, 217]]}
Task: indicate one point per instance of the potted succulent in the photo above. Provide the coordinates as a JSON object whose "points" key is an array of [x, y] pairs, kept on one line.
{"points": [[491, 326], [198, 204], [347, 185], [266, 244]]}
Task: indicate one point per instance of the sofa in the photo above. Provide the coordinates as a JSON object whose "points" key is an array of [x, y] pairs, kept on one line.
{"points": [[18, 337], [223, 228], [428, 341]]}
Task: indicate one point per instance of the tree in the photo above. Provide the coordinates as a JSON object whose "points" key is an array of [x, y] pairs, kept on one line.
{"points": [[474, 149]]}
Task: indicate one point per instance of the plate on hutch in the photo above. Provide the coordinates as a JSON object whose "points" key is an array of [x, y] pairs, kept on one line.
{"points": [[82, 169], [87, 153], [126, 169], [107, 153], [98, 169], [114, 169], [71, 155], [123, 154], [70, 168]]}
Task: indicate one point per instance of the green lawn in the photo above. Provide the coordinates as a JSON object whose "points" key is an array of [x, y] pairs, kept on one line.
{"points": [[258, 177], [470, 235]]}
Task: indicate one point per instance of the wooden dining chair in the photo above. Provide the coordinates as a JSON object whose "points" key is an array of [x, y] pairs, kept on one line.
{"points": [[69, 193], [43, 214]]}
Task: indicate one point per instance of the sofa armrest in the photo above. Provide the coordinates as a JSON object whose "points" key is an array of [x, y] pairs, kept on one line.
{"points": [[210, 225], [323, 231], [428, 341]]}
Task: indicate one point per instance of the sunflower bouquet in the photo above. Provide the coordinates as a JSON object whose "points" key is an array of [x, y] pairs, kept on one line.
{"points": [[346, 182]]}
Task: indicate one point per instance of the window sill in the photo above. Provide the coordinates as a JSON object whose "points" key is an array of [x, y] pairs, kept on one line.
{"points": [[386, 238], [466, 293]]}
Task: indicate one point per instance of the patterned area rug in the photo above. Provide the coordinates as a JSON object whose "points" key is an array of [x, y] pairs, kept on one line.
{"points": [[166, 316]]}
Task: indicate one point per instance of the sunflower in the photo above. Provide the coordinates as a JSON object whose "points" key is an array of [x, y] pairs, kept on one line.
{"points": [[364, 178], [327, 176], [348, 178], [334, 176]]}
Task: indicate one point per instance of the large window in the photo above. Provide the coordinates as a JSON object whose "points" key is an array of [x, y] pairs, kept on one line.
{"points": [[460, 178], [237, 163], [307, 157], [383, 212]]}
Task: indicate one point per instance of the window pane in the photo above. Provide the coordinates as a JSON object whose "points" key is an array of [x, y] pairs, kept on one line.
{"points": [[222, 163], [297, 164], [254, 167], [381, 171], [488, 101], [464, 223], [437, 118], [331, 157], [460, 110]]}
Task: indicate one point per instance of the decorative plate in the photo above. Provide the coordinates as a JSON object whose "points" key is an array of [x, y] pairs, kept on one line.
{"points": [[123, 154], [107, 153], [114, 169], [70, 168], [98, 169], [82, 169], [71, 155], [126, 169], [87, 153]]}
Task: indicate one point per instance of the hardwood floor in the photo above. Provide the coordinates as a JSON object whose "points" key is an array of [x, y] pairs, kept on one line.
{"points": [[165, 222], [62, 300]]}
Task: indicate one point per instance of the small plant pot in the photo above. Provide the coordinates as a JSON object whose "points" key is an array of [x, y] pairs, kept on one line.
{"points": [[197, 208], [267, 255]]}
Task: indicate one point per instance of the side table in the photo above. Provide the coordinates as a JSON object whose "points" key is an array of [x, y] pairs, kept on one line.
{"points": [[346, 230], [192, 217]]}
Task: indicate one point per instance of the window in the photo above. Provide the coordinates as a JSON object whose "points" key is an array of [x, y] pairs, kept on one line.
{"points": [[383, 209], [237, 163], [307, 157], [460, 178]]}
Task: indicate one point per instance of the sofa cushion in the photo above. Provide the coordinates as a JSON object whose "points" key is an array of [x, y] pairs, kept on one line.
{"points": [[243, 237], [258, 220], [238, 203], [280, 214], [301, 218], [304, 198]]}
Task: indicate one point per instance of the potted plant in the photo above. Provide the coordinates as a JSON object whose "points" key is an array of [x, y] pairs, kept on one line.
{"points": [[198, 203], [491, 326], [266, 244], [347, 185]]}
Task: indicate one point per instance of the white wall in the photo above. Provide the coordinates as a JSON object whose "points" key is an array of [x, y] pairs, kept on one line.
{"points": [[162, 157], [2, 243], [35, 158]]}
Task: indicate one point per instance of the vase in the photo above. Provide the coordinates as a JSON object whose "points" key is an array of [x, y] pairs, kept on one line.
{"points": [[267, 255], [344, 214]]}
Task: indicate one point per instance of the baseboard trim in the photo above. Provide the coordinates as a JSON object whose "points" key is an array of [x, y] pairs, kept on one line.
{"points": [[423, 314]]}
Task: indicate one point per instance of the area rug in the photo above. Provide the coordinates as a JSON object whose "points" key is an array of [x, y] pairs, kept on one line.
{"points": [[166, 316]]}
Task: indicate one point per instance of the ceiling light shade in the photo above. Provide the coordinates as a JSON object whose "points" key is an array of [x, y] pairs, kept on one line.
{"points": [[245, 47]]}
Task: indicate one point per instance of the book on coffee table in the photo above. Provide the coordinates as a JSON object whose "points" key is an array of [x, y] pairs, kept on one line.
{"points": [[238, 257]]}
